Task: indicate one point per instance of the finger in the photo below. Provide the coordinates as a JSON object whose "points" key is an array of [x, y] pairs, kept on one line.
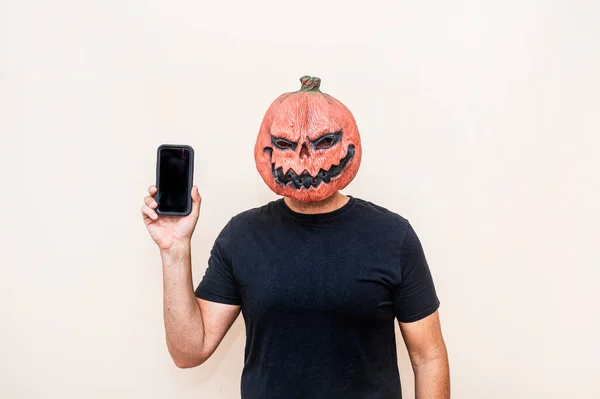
{"points": [[152, 190], [196, 200], [150, 201], [149, 213]]}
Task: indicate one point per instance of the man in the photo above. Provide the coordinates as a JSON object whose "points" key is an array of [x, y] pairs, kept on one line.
{"points": [[319, 276]]}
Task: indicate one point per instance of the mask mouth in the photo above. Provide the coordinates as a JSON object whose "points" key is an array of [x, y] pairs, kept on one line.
{"points": [[304, 179]]}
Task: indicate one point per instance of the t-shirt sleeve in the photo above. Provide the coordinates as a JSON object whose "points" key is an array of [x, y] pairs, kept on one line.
{"points": [[218, 283], [415, 296]]}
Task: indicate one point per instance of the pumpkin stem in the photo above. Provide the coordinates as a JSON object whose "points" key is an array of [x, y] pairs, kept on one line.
{"points": [[310, 83]]}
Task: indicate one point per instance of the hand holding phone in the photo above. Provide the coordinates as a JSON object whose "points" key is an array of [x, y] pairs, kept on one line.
{"points": [[177, 226]]}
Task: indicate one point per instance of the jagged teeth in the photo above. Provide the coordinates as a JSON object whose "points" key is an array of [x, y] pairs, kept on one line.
{"points": [[305, 179]]}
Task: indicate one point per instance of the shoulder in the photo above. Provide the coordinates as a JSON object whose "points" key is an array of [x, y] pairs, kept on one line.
{"points": [[380, 214], [252, 218], [381, 223], [242, 229], [257, 213], [390, 224]]}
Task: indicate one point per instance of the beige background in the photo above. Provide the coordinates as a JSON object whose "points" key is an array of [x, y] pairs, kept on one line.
{"points": [[479, 122]]}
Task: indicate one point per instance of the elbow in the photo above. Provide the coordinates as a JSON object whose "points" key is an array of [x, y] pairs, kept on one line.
{"points": [[431, 355], [187, 362], [186, 359]]}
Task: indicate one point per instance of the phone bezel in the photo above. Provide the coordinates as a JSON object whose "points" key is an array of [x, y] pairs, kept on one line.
{"points": [[190, 180]]}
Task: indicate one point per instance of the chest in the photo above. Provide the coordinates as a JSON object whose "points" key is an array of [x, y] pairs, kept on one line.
{"points": [[319, 273]]}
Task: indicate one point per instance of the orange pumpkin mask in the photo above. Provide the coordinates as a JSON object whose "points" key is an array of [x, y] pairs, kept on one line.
{"points": [[308, 146]]}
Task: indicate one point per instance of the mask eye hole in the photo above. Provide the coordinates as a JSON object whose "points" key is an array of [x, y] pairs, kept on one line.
{"points": [[282, 143], [327, 140]]}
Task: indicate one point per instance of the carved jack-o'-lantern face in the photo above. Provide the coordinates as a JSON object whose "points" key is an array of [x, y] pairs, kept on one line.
{"points": [[308, 146]]}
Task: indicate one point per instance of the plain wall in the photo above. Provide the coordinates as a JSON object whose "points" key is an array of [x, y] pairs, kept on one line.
{"points": [[479, 122]]}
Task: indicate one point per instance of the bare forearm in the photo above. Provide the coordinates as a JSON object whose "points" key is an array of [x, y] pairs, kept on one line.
{"points": [[182, 317], [432, 379]]}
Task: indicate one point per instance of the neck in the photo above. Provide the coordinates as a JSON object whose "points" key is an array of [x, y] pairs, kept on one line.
{"points": [[330, 204]]}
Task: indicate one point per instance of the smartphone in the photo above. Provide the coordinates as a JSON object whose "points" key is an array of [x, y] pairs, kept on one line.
{"points": [[174, 177]]}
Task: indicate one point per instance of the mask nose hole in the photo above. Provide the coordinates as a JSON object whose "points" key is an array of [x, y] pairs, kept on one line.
{"points": [[304, 151]]}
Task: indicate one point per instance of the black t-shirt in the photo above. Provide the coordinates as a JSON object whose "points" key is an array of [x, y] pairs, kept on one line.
{"points": [[319, 295]]}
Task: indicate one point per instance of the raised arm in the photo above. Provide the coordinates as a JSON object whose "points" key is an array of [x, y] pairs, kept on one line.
{"points": [[194, 327]]}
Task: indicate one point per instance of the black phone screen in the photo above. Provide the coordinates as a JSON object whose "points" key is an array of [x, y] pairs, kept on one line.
{"points": [[174, 180]]}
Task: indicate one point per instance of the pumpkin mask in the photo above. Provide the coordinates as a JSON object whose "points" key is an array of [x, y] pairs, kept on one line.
{"points": [[308, 146]]}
